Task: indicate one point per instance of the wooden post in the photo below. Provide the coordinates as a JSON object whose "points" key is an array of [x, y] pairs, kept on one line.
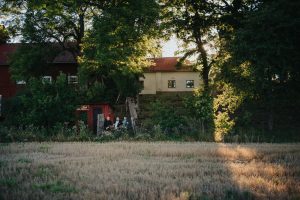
{"points": [[100, 123]]}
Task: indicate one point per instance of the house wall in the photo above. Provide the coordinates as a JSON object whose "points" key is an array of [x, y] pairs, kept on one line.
{"points": [[158, 81], [7, 86]]}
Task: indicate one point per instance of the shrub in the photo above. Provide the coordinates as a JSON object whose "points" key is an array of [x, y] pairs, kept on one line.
{"points": [[165, 116], [43, 104], [200, 109]]}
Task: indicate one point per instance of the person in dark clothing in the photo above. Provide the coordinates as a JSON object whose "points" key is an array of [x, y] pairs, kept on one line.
{"points": [[108, 125]]}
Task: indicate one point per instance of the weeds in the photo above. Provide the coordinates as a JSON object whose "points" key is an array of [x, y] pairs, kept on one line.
{"points": [[24, 160], [8, 182], [56, 186]]}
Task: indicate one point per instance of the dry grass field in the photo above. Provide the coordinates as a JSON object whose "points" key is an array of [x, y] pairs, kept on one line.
{"points": [[137, 170]]}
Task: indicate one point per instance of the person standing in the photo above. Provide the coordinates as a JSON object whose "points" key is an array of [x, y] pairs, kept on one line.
{"points": [[108, 124], [125, 123], [118, 123]]}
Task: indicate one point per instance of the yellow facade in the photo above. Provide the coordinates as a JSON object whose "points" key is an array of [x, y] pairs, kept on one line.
{"points": [[158, 81]]}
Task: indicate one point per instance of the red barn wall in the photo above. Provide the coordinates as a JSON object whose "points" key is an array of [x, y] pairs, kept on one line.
{"points": [[7, 87]]}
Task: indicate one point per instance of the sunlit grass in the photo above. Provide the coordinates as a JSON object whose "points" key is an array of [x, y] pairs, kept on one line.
{"points": [[138, 170]]}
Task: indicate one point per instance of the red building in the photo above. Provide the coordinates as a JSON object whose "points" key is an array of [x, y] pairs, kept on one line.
{"points": [[64, 63], [7, 86]]}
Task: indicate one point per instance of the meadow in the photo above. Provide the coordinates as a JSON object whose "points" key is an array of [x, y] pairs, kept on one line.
{"points": [[143, 170]]}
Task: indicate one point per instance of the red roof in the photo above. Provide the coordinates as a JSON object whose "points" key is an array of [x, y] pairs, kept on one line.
{"points": [[168, 64], [7, 49]]}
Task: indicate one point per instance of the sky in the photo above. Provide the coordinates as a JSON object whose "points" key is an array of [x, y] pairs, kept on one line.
{"points": [[170, 47]]}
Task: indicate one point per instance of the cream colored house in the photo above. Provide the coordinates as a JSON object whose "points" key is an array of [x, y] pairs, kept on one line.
{"points": [[164, 77]]}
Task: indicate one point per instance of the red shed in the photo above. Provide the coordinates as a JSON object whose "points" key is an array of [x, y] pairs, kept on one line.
{"points": [[89, 114]]}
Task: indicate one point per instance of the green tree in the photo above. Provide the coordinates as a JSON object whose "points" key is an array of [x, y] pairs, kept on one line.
{"points": [[264, 53], [116, 48], [193, 23], [201, 25], [32, 60], [4, 35], [46, 28], [200, 107], [44, 104], [61, 21]]}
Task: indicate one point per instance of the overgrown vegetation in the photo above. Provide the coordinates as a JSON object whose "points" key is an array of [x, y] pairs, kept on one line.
{"points": [[43, 104], [247, 53]]}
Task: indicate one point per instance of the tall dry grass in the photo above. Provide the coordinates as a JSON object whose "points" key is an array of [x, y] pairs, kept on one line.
{"points": [[124, 170]]}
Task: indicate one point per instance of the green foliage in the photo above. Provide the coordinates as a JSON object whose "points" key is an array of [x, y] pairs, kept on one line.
{"points": [[24, 160], [115, 49], [32, 60], [44, 104], [263, 61], [22, 134], [56, 186], [60, 132], [166, 117], [200, 108], [267, 44], [4, 35], [225, 106], [8, 182], [200, 105]]}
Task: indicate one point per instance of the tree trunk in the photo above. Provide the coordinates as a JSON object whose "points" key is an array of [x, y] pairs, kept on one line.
{"points": [[205, 70], [270, 97]]}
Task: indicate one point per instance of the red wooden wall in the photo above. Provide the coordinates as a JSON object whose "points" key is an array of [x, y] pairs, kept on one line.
{"points": [[7, 87]]}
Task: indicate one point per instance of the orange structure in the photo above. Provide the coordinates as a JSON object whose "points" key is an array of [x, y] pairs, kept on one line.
{"points": [[89, 114]]}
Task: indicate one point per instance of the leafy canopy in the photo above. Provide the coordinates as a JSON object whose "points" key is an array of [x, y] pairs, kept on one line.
{"points": [[116, 48]]}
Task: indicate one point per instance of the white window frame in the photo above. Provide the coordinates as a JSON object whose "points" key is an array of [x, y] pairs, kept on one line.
{"points": [[70, 81], [47, 79], [21, 82], [174, 81], [186, 84]]}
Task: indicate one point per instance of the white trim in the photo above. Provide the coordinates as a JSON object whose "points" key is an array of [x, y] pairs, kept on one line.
{"points": [[21, 82], [72, 79], [47, 79]]}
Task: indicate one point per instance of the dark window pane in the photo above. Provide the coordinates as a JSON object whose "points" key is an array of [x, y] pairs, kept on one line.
{"points": [[171, 84], [190, 84]]}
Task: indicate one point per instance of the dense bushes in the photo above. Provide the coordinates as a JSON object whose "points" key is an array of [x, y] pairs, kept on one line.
{"points": [[60, 132], [42, 104]]}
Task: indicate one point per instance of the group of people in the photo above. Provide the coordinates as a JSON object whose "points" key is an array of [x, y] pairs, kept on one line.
{"points": [[119, 124]]}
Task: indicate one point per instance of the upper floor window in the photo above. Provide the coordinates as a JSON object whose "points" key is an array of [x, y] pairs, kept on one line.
{"points": [[190, 84], [72, 79], [141, 82], [47, 79], [171, 83]]}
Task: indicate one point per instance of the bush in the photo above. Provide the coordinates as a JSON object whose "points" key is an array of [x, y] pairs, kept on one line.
{"points": [[166, 117], [18, 134], [43, 104], [200, 110]]}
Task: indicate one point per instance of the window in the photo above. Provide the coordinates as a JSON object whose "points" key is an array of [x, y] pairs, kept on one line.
{"points": [[190, 84], [72, 79], [171, 84], [21, 82], [141, 84], [47, 79]]}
